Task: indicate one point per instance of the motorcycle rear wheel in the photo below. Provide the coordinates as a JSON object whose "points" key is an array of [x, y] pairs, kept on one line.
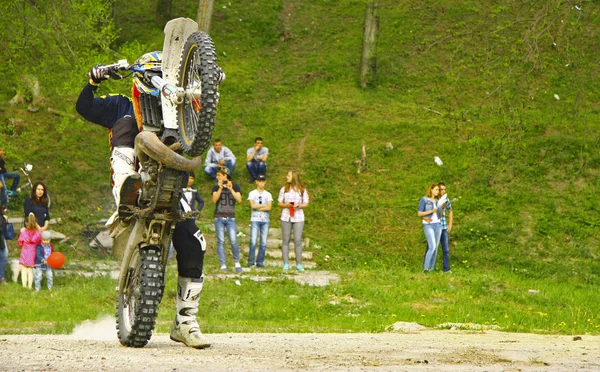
{"points": [[198, 70], [137, 304]]}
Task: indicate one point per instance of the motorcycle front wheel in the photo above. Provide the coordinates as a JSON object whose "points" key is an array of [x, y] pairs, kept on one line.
{"points": [[137, 304], [198, 72]]}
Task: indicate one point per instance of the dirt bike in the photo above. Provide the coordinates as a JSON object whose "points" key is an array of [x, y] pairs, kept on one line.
{"points": [[176, 105]]}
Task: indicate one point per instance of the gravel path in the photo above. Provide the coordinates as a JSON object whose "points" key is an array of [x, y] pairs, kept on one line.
{"points": [[429, 350]]}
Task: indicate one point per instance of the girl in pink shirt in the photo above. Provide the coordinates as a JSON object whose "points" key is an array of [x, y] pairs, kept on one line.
{"points": [[29, 238]]}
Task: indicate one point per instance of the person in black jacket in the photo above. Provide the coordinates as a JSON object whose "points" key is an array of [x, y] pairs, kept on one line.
{"points": [[6, 175], [114, 112]]}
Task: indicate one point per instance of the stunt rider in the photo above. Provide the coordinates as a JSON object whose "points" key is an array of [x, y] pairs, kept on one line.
{"points": [[116, 112]]}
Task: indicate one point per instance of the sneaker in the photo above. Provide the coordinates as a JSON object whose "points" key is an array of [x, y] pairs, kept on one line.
{"points": [[448, 272], [224, 268], [299, 267], [238, 268], [286, 266], [3, 281]]}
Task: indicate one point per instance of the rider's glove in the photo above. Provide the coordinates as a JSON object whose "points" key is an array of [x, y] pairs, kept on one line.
{"points": [[98, 74]]}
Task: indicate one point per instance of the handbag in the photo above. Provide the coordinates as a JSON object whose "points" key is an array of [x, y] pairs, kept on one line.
{"points": [[9, 231]]}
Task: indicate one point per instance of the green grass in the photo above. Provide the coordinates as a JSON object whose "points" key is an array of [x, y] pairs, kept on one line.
{"points": [[365, 300], [471, 82]]}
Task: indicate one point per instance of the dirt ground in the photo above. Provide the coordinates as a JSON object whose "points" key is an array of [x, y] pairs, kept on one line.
{"points": [[428, 350]]}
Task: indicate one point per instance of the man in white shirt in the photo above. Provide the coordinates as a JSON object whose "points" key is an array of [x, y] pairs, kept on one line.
{"points": [[261, 202], [256, 159], [218, 156]]}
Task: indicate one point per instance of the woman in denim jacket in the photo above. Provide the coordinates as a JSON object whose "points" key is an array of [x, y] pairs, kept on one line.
{"points": [[428, 208]]}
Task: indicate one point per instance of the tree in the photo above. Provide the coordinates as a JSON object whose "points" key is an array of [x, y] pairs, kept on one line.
{"points": [[205, 10]]}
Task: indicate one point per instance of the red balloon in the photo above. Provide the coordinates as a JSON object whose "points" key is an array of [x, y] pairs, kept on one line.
{"points": [[56, 260]]}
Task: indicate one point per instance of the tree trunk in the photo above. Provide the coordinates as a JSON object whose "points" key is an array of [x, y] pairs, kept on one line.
{"points": [[205, 10], [163, 11], [368, 63]]}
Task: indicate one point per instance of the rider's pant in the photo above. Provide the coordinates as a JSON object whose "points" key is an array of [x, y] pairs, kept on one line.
{"points": [[122, 161], [190, 246]]}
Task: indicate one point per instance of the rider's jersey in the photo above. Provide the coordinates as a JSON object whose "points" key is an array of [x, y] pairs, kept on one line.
{"points": [[105, 110]]}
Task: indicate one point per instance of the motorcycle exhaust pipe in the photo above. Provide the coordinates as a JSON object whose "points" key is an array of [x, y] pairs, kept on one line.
{"points": [[149, 144]]}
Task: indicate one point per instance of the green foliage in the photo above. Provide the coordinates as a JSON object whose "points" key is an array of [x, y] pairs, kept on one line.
{"points": [[55, 42]]}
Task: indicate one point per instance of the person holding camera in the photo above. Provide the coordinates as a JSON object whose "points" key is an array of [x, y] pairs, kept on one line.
{"points": [[225, 194]]}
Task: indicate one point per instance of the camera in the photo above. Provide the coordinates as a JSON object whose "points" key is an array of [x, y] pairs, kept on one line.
{"points": [[224, 182]]}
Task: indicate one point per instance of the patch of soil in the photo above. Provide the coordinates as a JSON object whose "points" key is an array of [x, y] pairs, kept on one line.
{"points": [[430, 350]]}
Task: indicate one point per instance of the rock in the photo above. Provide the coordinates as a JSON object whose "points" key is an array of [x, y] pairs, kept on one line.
{"points": [[102, 239], [467, 326], [406, 327], [316, 278]]}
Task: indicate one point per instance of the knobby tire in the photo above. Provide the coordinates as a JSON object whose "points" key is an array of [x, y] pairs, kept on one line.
{"points": [[198, 67], [137, 306]]}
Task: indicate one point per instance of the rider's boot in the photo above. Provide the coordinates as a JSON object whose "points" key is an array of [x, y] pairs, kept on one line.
{"points": [[185, 327]]}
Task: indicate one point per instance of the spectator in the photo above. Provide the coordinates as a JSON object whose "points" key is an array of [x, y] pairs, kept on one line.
{"points": [[219, 156], [428, 210], [225, 194], [42, 253], [5, 175], [3, 245], [191, 201], [256, 158], [446, 224], [191, 195], [261, 202], [293, 198], [29, 238], [37, 203]]}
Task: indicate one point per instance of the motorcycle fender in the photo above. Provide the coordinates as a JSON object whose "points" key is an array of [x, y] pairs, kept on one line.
{"points": [[176, 33]]}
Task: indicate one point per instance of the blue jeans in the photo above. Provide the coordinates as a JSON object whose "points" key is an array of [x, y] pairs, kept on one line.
{"points": [[212, 169], [433, 232], [37, 278], [5, 177], [3, 257], [263, 227], [255, 168], [445, 249], [222, 223]]}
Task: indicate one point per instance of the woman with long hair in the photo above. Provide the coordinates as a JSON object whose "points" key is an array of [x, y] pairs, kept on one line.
{"points": [[293, 198], [428, 211], [38, 204], [29, 238]]}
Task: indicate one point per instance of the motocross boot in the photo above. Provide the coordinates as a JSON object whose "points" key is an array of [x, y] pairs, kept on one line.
{"points": [[185, 327]]}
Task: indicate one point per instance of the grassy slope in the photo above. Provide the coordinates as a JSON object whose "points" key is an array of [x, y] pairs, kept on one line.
{"points": [[522, 165]]}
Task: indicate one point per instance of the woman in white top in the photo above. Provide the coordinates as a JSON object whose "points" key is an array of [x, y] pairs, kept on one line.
{"points": [[293, 198], [428, 211]]}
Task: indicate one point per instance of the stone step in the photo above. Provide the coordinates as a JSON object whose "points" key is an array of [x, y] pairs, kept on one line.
{"points": [[274, 233], [274, 252]]}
